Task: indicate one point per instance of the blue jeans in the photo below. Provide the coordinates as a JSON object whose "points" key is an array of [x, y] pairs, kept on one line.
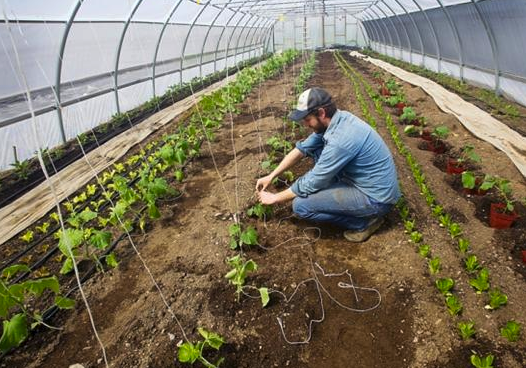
{"points": [[340, 204]]}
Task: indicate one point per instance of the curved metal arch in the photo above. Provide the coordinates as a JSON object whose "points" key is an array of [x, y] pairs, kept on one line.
{"points": [[158, 44], [383, 39], [433, 31], [118, 56], [378, 35], [261, 25], [365, 35], [183, 49], [206, 37], [493, 44], [220, 37], [453, 27], [417, 30], [382, 25], [60, 60], [373, 30], [265, 36], [405, 30], [240, 35], [394, 27]]}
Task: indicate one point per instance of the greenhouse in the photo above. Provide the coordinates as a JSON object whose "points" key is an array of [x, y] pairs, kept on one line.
{"points": [[263, 183]]}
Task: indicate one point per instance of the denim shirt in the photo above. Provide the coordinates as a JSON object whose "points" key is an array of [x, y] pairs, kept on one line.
{"points": [[352, 152]]}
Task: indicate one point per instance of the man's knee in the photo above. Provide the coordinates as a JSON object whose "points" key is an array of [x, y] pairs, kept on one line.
{"points": [[300, 208]]}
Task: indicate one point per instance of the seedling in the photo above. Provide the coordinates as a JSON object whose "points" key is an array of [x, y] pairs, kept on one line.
{"points": [[239, 238], [424, 250], [27, 237], [438, 210], [454, 305], [409, 226], [471, 263], [261, 211], [434, 265], [466, 329], [454, 230], [463, 245], [239, 272], [440, 132], [482, 362], [408, 115], [445, 285], [43, 228], [416, 237], [511, 331], [265, 297], [497, 299], [445, 220], [22, 169], [481, 283], [468, 154], [190, 352]]}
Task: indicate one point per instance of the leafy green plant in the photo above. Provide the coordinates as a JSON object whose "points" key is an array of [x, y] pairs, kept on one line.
{"points": [[455, 229], [496, 299], [454, 306], [261, 211], [408, 115], [468, 154], [239, 272], [482, 362], [463, 245], [440, 132], [22, 169], [190, 352], [444, 285], [28, 236], [238, 238], [416, 237], [445, 220], [409, 226], [481, 283], [511, 331], [43, 228], [424, 250], [471, 263], [466, 329], [14, 305], [434, 265]]}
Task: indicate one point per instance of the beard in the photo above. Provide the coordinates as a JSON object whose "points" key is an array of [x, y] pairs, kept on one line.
{"points": [[319, 127]]}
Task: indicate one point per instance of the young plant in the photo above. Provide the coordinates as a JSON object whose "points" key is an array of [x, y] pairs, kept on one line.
{"points": [[454, 306], [22, 169], [43, 228], [27, 237], [496, 299], [409, 226], [463, 245], [468, 154], [482, 362], [454, 230], [424, 250], [466, 329], [416, 237], [511, 331], [408, 115], [445, 285], [481, 283], [239, 272], [190, 352], [434, 265], [261, 211], [471, 263], [238, 238], [440, 133]]}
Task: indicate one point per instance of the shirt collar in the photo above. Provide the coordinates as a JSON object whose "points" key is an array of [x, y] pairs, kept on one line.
{"points": [[335, 120]]}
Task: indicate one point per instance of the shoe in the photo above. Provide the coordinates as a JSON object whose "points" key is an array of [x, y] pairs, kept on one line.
{"points": [[361, 236]]}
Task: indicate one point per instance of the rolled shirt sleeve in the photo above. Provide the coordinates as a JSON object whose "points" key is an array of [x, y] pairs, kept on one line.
{"points": [[312, 144]]}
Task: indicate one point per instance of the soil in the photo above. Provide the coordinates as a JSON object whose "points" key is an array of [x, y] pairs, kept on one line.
{"points": [[187, 249]]}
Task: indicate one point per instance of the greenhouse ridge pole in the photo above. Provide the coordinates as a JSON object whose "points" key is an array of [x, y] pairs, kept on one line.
{"points": [[58, 74], [158, 43], [118, 56]]}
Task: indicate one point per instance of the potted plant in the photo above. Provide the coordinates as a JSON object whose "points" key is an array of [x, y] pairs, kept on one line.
{"points": [[413, 130], [396, 101], [503, 214], [409, 116], [436, 144], [457, 166], [476, 185]]}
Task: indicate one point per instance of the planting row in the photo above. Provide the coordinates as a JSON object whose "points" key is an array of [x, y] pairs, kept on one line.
{"points": [[131, 192], [481, 283]]}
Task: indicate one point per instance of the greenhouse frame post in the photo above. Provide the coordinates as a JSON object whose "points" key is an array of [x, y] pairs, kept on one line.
{"points": [[158, 44], [58, 74], [262, 28], [219, 40], [457, 39], [183, 49], [212, 24], [382, 25], [240, 36], [251, 34], [382, 40], [493, 44], [118, 55], [396, 30], [417, 31], [434, 32], [405, 31]]}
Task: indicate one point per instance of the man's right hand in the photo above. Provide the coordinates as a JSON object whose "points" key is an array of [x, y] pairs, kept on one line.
{"points": [[264, 182]]}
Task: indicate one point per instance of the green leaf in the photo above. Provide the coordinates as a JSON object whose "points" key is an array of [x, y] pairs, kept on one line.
{"points": [[497, 299], [188, 353], [111, 260], [213, 339], [249, 236], [100, 239], [6, 302], [14, 332], [37, 287], [479, 362], [67, 267], [71, 237], [468, 180], [64, 303], [445, 285], [180, 157], [153, 211], [511, 331], [179, 175], [265, 298], [9, 272]]}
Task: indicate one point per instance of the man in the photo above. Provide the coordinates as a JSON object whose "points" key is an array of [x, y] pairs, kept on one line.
{"points": [[353, 183]]}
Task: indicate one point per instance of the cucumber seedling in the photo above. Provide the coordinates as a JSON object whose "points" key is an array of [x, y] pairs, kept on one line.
{"points": [[190, 352]]}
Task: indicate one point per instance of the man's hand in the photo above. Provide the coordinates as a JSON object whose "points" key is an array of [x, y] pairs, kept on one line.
{"points": [[267, 197], [264, 182]]}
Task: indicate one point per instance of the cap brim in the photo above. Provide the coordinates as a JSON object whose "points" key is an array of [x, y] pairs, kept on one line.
{"points": [[297, 115]]}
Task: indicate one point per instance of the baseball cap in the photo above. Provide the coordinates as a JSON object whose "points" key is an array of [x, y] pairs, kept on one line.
{"points": [[309, 101]]}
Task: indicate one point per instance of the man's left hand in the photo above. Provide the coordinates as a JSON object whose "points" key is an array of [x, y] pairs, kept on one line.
{"points": [[267, 197]]}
